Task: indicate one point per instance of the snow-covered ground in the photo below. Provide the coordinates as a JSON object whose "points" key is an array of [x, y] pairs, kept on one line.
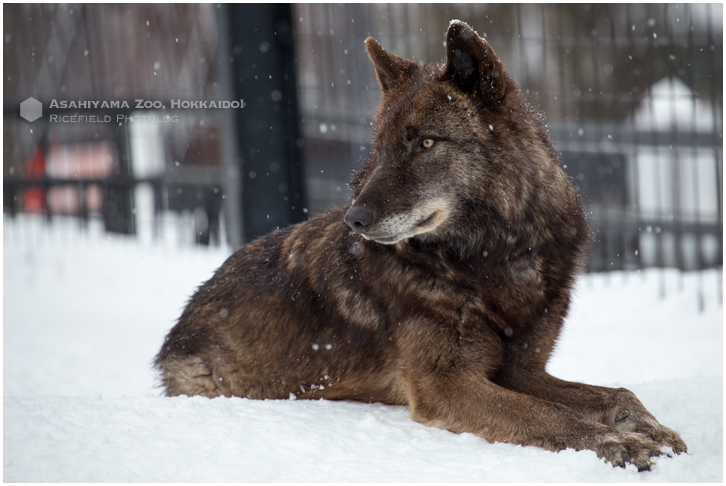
{"points": [[84, 315]]}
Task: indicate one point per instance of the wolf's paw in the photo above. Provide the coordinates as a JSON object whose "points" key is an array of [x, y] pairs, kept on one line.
{"points": [[629, 415], [624, 448], [642, 422]]}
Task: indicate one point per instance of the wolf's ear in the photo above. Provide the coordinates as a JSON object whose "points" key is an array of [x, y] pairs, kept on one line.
{"points": [[472, 64], [390, 68]]}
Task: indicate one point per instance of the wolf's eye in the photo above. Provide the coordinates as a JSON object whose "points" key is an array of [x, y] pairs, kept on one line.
{"points": [[428, 143]]}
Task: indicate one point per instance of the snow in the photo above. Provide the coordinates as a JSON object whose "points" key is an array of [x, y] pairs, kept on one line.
{"points": [[84, 314]]}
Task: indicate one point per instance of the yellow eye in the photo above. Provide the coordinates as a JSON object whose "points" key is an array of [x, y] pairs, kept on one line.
{"points": [[428, 143]]}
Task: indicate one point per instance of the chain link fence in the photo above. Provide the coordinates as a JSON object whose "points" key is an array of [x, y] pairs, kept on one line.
{"points": [[633, 95]]}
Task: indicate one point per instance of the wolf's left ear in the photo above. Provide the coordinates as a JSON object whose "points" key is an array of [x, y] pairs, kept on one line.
{"points": [[390, 68], [472, 64]]}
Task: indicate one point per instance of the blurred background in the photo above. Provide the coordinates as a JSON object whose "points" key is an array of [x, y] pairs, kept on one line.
{"points": [[633, 95]]}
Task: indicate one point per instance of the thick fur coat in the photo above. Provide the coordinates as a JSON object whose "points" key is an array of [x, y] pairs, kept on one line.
{"points": [[443, 287]]}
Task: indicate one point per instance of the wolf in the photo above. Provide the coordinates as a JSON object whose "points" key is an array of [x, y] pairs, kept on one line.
{"points": [[443, 287]]}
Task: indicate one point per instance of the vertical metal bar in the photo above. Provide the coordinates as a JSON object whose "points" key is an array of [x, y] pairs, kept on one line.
{"points": [[694, 153], [231, 162], [273, 193], [544, 87], [636, 139], [82, 207], [624, 235], [715, 110], [522, 50], [118, 201], [606, 227], [679, 250], [562, 70], [717, 158], [659, 248]]}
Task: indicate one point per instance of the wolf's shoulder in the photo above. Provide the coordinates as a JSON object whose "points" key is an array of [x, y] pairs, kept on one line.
{"points": [[320, 233]]}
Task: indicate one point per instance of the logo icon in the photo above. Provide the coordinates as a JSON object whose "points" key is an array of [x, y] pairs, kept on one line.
{"points": [[31, 109]]}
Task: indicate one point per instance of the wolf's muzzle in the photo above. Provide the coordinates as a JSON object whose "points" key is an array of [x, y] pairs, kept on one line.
{"points": [[359, 218]]}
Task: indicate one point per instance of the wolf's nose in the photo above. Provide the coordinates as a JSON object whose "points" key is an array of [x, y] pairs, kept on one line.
{"points": [[359, 218]]}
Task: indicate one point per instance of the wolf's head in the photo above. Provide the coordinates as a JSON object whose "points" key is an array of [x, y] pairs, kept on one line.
{"points": [[454, 146]]}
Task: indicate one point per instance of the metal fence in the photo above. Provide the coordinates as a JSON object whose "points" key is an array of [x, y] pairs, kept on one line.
{"points": [[633, 96], [95, 165]]}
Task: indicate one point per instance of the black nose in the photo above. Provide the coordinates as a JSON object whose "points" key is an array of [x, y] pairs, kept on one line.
{"points": [[359, 218]]}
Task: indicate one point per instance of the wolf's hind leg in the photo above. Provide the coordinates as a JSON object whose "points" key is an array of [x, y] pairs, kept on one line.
{"points": [[190, 376]]}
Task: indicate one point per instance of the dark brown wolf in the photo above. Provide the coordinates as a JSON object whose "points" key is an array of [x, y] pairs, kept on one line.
{"points": [[443, 287]]}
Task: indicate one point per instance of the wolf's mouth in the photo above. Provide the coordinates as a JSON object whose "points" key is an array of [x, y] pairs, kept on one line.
{"points": [[419, 227], [386, 240]]}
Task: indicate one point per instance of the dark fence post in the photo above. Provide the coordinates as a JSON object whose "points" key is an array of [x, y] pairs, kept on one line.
{"points": [[268, 140], [118, 202]]}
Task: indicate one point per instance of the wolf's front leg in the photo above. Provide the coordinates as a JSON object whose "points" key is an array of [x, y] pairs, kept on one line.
{"points": [[615, 407], [463, 401], [445, 377]]}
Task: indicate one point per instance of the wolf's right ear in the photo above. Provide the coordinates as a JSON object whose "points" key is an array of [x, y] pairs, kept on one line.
{"points": [[390, 68], [472, 64]]}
